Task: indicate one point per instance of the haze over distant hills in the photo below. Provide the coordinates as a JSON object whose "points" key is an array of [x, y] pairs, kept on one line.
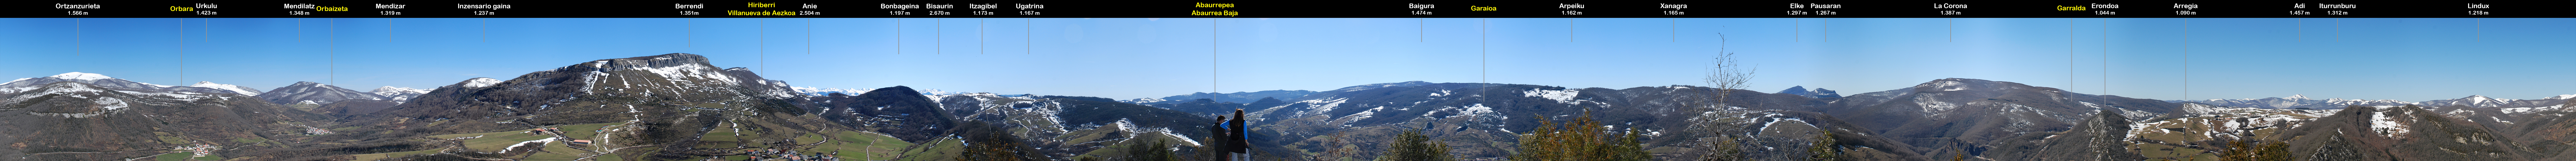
{"points": [[681, 107]]}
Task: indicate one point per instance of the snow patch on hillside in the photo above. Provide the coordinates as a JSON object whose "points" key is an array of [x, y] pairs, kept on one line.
{"points": [[1558, 95], [2561, 97], [481, 82], [110, 103], [81, 76], [1931, 105], [829, 91], [540, 143], [2386, 125], [1944, 85], [227, 87], [1346, 120], [2522, 110]]}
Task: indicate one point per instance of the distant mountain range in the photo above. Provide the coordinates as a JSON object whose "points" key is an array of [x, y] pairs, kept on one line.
{"points": [[681, 107], [2302, 101]]}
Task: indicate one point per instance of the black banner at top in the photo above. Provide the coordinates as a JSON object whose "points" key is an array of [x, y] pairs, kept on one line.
{"points": [[1276, 9]]}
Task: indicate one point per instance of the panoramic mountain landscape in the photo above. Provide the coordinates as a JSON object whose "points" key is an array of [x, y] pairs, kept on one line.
{"points": [[681, 107]]}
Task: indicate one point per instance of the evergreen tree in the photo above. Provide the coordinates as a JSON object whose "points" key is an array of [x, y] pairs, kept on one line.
{"points": [[1627, 148], [992, 148], [1412, 145], [1723, 148], [1824, 148], [992, 145], [1156, 150], [2236, 150], [2273, 151], [1580, 139]]}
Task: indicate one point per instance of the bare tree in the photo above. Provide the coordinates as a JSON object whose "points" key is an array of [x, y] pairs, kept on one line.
{"points": [[1725, 74]]}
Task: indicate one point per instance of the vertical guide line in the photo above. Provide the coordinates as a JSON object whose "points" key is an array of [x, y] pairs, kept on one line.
{"points": [[809, 36], [1212, 91], [2106, 56], [2070, 59], [1025, 43], [2186, 58], [332, 53], [183, 51]]}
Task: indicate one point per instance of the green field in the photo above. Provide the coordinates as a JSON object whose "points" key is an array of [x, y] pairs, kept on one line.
{"points": [[382, 156], [850, 144]]}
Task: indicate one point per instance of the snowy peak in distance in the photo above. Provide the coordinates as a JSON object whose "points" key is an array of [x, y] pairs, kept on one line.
{"points": [[940, 92], [1236, 97], [478, 82], [316, 92], [227, 87], [398, 94], [2302, 101], [674, 65], [828, 91], [1817, 93], [393, 90], [1382, 85], [80, 76], [2560, 97], [100, 80], [2482, 101]]}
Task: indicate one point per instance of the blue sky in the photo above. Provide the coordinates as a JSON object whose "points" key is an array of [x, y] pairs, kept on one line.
{"points": [[2411, 59]]}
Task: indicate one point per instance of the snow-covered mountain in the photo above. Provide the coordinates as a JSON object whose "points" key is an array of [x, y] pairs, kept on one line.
{"points": [[811, 91], [2302, 101], [398, 94], [25, 84], [228, 87], [2482, 101], [1817, 93], [317, 93], [1144, 100], [936, 92], [1236, 97], [94, 122]]}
